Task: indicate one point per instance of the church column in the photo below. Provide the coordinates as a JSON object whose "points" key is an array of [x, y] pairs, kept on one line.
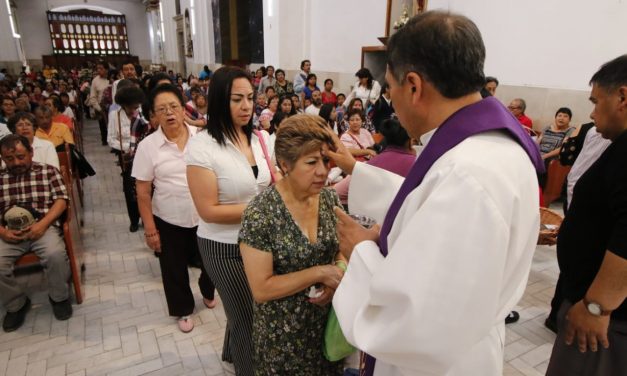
{"points": [[155, 30]]}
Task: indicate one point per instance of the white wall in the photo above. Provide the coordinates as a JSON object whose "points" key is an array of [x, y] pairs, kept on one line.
{"points": [[8, 49], [36, 37], [546, 43]]}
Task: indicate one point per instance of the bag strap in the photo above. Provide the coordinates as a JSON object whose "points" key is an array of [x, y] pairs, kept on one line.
{"points": [[265, 155], [355, 139]]}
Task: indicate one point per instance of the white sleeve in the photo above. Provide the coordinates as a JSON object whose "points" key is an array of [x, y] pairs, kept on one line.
{"points": [[365, 181], [113, 137], [143, 169], [412, 308], [51, 156], [199, 153], [375, 93]]}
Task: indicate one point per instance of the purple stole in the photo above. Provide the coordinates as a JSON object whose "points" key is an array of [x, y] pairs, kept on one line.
{"points": [[484, 116]]}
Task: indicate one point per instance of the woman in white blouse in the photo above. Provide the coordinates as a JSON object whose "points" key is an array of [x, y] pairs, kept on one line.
{"points": [[226, 168], [169, 217], [366, 88], [25, 124]]}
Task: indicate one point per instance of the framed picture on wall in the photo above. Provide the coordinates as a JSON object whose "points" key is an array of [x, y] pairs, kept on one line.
{"points": [[399, 11]]}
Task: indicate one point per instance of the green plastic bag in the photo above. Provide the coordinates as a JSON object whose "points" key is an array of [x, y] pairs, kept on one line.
{"points": [[335, 346]]}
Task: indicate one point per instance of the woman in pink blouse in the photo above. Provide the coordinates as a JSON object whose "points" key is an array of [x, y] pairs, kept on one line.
{"points": [[358, 140]]}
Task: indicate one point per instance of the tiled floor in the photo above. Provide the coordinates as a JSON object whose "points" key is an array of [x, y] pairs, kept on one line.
{"points": [[122, 328]]}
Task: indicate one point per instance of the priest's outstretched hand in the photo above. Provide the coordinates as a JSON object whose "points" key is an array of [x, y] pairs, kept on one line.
{"points": [[350, 233], [340, 154]]}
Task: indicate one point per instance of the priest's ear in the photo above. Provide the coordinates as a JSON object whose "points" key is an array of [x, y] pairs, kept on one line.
{"points": [[415, 83]]}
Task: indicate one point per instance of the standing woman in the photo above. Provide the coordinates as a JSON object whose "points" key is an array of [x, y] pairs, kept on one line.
{"points": [[366, 88], [226, 168], [169, 217]]}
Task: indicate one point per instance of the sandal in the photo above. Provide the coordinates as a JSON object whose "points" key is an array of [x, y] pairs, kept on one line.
{"points": [[210, 303], [186, 324]]}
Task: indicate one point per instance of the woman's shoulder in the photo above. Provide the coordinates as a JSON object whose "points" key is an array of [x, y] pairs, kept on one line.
{"points": [[263, 202]]}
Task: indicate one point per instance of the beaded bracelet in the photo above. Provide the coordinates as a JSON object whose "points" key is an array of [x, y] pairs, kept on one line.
{"points": [[151, 235]]}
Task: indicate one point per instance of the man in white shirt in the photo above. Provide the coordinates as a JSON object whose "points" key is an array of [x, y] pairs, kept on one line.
{"points": [[427, 295], [316, 103], [96, 91], [300, 80]]}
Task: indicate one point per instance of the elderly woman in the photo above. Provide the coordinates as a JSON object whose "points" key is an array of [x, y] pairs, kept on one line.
{"points": [[226, 168], [24, 124], [552, 136], [366, 88], [281, 266], [282, 86], [357, 140], [169, 217]]}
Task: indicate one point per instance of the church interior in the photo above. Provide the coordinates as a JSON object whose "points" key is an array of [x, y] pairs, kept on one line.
{"points": [[539, 59]]}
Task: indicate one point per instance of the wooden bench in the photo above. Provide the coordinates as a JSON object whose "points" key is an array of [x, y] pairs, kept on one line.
{"points": [[556, 176], [73, 244]]}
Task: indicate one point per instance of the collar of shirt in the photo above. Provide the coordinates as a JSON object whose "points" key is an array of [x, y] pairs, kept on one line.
{"points": [[164, 140]]}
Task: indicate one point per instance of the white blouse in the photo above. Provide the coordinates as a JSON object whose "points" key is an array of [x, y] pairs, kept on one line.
{"points": [[160, 161], [236, 181]]}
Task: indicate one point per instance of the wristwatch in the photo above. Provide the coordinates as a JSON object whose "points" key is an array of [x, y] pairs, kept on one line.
{"points": [[595, 309]]}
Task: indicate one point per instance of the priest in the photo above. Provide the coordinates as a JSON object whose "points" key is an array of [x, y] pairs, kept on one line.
{"points": [[427, 294]]}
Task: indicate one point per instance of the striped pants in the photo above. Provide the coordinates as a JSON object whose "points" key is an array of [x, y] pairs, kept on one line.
{"points": [[225, 267]]}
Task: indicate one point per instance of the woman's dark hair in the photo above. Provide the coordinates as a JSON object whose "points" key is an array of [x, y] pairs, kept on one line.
{"points": [[564, 110], [56, 102], [365, 73], [279, 71], [328, 80], [220, 124], [351, 104], [393, 133], [129, 95], [325, 112], [156, 78], [355, 112], [489, 79], [302, 63], [288, 98], [384, 88], [13, 120], [310, 75], [276, 120]]}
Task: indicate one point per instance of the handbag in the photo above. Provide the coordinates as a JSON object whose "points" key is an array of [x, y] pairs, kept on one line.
{"points": [[335, 346], [266, 156]]}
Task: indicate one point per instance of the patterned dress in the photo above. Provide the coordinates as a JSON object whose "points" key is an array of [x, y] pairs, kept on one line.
{"points": [[288, 333]]}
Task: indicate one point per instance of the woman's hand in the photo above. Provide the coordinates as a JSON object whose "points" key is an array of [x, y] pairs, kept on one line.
{"points": [[325, 298], [330, 275], [154, 242]]}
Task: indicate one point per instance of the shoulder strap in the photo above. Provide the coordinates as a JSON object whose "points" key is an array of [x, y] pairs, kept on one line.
{"points": [[265, 155], [353, 137]]}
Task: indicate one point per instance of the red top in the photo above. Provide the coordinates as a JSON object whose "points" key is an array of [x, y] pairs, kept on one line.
{"points": [[524, 120], [329, 98]]}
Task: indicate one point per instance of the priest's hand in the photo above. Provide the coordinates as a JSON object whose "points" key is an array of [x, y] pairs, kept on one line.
{"points": [[588, 330], [350, 233], [325, 298], [340, 154]]}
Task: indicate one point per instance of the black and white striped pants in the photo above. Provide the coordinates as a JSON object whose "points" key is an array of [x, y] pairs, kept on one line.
{"points": [[225, 267]]}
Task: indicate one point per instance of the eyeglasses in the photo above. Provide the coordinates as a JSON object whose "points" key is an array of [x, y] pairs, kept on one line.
{"points": [[164, 110], [513, 107]]}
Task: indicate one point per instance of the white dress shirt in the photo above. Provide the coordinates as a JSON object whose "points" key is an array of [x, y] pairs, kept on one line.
{"points": [[366, 95], [160, 161], [113, 130], [236, 181], [460, 250], [312, 110]]}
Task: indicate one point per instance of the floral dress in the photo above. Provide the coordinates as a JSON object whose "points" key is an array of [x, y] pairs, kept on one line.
{"points": [[288, 333]]}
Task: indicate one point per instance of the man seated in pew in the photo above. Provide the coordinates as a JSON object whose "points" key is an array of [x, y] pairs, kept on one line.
{"points": [[32, 198], [57, 133]]}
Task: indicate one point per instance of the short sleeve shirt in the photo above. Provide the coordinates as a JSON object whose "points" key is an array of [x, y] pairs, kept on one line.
{"points": [[37, 189], [596, 221], [58, 134]]}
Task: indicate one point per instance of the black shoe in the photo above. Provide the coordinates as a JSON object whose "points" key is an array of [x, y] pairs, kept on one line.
{"points": [[105, 143], [13, 320], [551, 324], [62, 310], [134, 227], [512, 317]]}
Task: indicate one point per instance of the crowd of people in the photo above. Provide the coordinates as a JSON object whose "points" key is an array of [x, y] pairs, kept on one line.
{"points": [[249, 176]]}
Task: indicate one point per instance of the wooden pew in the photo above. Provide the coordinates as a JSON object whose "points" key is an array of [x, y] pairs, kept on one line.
{"points": [[73, 245], [556, 176], [65, 159]]}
